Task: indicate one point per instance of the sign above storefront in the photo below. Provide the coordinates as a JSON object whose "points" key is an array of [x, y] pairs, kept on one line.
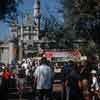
{"points": [[63, 55]]}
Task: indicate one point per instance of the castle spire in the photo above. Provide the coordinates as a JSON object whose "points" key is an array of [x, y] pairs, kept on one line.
{"points": [[36, 8], [37, 16]]}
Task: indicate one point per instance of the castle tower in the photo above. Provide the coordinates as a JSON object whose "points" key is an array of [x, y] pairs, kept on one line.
{"points": [[37, 16]]}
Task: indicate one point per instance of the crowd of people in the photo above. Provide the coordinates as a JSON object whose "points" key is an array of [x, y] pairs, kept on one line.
{"points": [[81, 80]]}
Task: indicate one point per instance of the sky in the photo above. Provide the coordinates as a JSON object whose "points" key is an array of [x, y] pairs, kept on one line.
{"points": [[51, 5]]}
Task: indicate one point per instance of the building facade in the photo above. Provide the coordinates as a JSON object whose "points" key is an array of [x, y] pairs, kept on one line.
{"points": [[8, 53], [27, 33]]}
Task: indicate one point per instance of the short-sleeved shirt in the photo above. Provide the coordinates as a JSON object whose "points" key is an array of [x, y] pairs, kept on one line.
{"points": [[21, 73], [43, 76], [73, 78], [6, 75]]}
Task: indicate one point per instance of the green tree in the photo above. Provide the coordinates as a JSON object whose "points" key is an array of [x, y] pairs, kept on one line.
{"points": [[88, 21], [53, 30], [8, 9], [82, 19]]}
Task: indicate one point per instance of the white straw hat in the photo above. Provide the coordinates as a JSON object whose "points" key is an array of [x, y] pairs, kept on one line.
{"points": [[93, 72]]}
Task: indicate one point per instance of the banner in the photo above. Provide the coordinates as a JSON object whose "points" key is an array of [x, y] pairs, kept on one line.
{"points": [[63, 55]]}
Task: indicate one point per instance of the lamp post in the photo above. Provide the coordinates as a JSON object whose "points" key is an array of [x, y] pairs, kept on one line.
{"points": [[21, 42], [20, 48]]}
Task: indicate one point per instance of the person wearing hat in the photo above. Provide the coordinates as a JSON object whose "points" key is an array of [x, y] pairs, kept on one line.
{"points": [[5, 83], [94, 83]]}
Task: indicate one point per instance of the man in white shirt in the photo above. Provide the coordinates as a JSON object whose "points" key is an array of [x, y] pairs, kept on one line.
{"points": [[43, 79]]}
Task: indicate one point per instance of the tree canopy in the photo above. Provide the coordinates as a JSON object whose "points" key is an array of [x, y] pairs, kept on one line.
{"points": [[8, 8], [85, 20], [89, 20]]}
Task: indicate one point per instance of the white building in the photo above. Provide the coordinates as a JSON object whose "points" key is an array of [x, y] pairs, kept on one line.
{"points": [[7, 53]]}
